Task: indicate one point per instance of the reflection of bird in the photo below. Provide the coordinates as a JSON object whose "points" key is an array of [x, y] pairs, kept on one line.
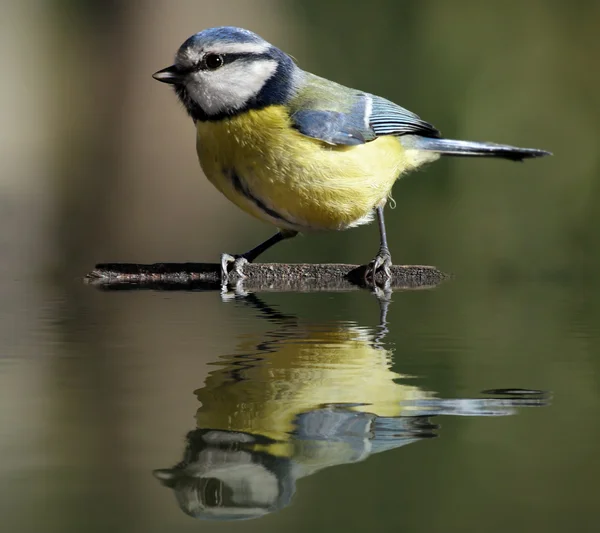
{"points": [[299, 401], [297, 150], [264, 392]]}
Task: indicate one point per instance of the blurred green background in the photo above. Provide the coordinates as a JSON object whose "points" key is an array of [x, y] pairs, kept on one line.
{"points": [[97, 164]]}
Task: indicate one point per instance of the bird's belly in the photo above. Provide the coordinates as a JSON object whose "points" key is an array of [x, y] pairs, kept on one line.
{"points": [[275, 173]]}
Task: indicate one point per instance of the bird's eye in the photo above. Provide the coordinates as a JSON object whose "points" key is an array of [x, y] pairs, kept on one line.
{"points": [[213, 61]]}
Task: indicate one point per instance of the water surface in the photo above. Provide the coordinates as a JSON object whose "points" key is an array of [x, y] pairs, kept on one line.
{"points": [[152, 410]]}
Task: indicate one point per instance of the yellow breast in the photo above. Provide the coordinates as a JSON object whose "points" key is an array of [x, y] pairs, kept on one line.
{"points": [[270, 170]]}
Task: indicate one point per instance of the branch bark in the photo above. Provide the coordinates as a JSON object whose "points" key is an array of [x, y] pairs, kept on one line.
{"points": [[296, 277]]}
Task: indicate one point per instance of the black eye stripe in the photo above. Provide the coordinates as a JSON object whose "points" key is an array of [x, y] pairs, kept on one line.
{"points": [[228, 58]]}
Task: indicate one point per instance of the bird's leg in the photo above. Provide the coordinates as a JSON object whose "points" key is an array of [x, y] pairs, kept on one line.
{"points": [[383, 259], [240, 260]]}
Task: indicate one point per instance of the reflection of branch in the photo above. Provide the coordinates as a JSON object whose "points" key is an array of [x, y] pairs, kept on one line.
{"points": [[260, 276]]}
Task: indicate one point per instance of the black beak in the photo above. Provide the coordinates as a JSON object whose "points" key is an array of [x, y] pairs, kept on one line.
{"points": [[168, 75]]}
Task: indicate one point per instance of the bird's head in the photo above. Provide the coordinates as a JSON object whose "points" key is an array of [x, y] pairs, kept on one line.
{"points": [[220, 72]]}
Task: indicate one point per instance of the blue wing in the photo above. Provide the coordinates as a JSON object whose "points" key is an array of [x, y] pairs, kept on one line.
{"points": [[369, 118], [387, 118], [329, 126]]}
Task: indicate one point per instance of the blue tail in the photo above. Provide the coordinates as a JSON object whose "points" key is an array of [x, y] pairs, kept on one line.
{"points": [[472, 148]]}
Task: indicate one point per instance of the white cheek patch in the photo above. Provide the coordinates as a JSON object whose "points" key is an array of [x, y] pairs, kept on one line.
{"points": [[230, 87]]}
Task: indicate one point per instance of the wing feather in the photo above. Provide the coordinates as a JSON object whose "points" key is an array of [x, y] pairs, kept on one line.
{"points": [[388, 118], [328, 126], [339, 115]]}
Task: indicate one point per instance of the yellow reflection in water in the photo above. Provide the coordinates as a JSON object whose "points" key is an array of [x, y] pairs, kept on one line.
{"points": [[294, 401], [266, 389]]}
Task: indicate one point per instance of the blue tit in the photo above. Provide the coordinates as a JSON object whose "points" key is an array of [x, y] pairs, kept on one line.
{"points": [[296, 150]]}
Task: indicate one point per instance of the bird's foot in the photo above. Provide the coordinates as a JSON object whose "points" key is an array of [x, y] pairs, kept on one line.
{"points": [[232, 263], [381, 263]]}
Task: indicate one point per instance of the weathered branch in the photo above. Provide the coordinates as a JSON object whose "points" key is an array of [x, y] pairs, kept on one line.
{"points": [[259, 276]]}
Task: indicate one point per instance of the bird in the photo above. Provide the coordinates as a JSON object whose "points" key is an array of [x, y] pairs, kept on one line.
{"points": [[296, 150]]}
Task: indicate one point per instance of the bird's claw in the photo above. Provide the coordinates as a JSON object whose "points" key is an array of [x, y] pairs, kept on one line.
{"points": [[232, 263], [381, 263]]}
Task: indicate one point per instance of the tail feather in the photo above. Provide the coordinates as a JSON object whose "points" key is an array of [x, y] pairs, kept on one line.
{"points": [[472, 148]]}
